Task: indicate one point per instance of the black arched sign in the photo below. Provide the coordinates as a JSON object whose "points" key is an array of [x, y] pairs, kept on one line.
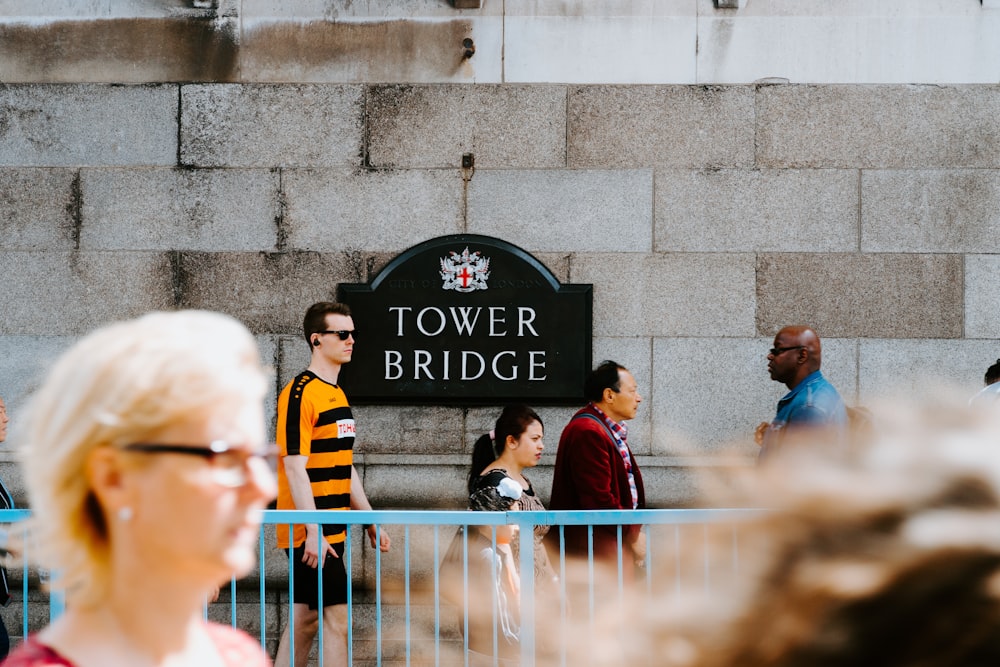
{"points": [[465, 320]]}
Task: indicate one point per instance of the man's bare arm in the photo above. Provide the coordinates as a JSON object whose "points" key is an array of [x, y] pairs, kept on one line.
{"points": [[359, 501], [302, 497]]}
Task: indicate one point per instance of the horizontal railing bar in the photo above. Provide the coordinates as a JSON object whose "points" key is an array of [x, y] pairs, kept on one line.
{"points": [[533, 518]]}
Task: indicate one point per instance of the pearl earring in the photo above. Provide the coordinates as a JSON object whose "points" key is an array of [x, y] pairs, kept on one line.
{"points": [[125, 513]]}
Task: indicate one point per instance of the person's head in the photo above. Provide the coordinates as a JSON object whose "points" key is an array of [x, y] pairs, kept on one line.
{"points": [[3, 420], [612, 388], [329, 331], [796, 354], [992, 374], [104, 447], [888, 556], [519, 431]]}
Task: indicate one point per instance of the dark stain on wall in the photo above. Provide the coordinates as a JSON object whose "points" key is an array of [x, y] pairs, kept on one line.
{"points": [[73, 210], [376, 51], [120, 50]]}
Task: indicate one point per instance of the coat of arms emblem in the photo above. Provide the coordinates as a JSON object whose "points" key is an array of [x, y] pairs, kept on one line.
{"points": [[467, 272]]}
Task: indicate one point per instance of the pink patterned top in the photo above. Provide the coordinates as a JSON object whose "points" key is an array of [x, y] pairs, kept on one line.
{"points": [[237, 649]]}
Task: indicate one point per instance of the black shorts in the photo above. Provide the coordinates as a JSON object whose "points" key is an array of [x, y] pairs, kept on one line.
{"points": [[305, 589]]}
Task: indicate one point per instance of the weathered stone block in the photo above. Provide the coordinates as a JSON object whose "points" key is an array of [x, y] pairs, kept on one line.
{"points": [[608, 42], [128, 48], [685, 294], [84, 290], [667, 486], [738, 210], [694, 418], [878, 126], [268, 292], [503, 127], [373, 210], [409, 429], [413, 485], [271, 125], [88, 125], [38, 209], [564, 210], [24, 360], [413, 41], [855, 41], [862, 295], [982, 298], [660, 126], [179, 209], [930, 210], [932, 371]]}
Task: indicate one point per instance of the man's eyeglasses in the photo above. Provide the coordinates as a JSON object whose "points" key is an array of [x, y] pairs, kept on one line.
{"points": [[230, 463], [342, 334], [775, 351]]}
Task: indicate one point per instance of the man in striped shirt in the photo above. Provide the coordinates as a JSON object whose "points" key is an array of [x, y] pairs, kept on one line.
{"points": [[315, 434]]}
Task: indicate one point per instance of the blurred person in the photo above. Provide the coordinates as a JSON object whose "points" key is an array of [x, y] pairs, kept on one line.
{"points": [[6, 503], [315, 434], [144, 459], [887, 554], [812, 413], [990, 394], [497, 483], [595, 469]]}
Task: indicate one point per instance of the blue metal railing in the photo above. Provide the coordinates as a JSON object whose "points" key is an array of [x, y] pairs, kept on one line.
{"points": [[400, 524]]}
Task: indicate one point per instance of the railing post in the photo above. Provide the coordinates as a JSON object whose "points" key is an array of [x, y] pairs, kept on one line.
{"points": [[526, 535]]}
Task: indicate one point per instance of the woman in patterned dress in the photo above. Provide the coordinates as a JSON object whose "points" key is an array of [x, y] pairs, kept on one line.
{"points": [[497, 483]]}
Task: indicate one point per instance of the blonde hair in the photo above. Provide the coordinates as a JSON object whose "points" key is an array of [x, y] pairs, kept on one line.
{"points": [[120, 384], [887, 554]]}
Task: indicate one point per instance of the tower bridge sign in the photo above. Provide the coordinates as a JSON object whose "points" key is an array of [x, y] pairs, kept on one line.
{"points": [[465, 320]]}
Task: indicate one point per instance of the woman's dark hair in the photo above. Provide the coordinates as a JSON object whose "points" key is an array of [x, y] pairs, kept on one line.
{"points": [[513, 421], [993, 373]]}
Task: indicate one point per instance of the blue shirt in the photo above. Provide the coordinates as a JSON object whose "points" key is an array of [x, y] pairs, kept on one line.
{"points": [[813, 402]]}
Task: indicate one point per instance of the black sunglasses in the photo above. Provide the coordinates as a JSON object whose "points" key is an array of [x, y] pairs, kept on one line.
{"points": [[342, 334], [229, 461], [775, 351]]}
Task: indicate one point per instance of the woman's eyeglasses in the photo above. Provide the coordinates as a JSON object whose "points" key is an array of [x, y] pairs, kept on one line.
{"points": [[229, 462]]}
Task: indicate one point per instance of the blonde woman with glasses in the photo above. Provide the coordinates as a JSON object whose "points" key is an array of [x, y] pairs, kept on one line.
{"points": [[144, 459]]}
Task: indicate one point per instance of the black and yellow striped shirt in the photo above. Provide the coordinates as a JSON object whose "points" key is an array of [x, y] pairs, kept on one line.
{"points": [[315, 420]]}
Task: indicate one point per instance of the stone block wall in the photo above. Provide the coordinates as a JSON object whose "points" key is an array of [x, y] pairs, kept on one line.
{"points": [[714, 173], [705, 217]]}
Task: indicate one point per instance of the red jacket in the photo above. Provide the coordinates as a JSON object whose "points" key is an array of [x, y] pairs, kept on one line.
{"points": [[590, 474]]}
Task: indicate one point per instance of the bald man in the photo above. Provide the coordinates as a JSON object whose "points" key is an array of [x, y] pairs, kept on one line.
{"points": [[811, 405]]}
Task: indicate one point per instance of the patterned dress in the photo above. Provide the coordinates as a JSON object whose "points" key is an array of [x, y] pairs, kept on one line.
{"points": [[494, 599]]}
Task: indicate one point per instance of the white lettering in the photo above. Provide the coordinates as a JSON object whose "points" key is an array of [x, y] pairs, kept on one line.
{"points": [[496, 371], [392, 361], [532, 364], [399, 325], [465, 325], [447, 353], [421, 361], [465, 359], [494, 320], [525, 322], [420, 320]]}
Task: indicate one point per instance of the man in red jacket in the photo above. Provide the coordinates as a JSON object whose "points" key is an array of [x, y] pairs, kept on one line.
{"points": [[595, 468]]}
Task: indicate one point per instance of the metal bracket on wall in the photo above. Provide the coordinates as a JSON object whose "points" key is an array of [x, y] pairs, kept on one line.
{"points": [[467, 4], [730, 4]]}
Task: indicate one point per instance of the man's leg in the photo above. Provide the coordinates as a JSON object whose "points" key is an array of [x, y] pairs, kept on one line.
{"points": [[334, 636], [306, 624]]}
